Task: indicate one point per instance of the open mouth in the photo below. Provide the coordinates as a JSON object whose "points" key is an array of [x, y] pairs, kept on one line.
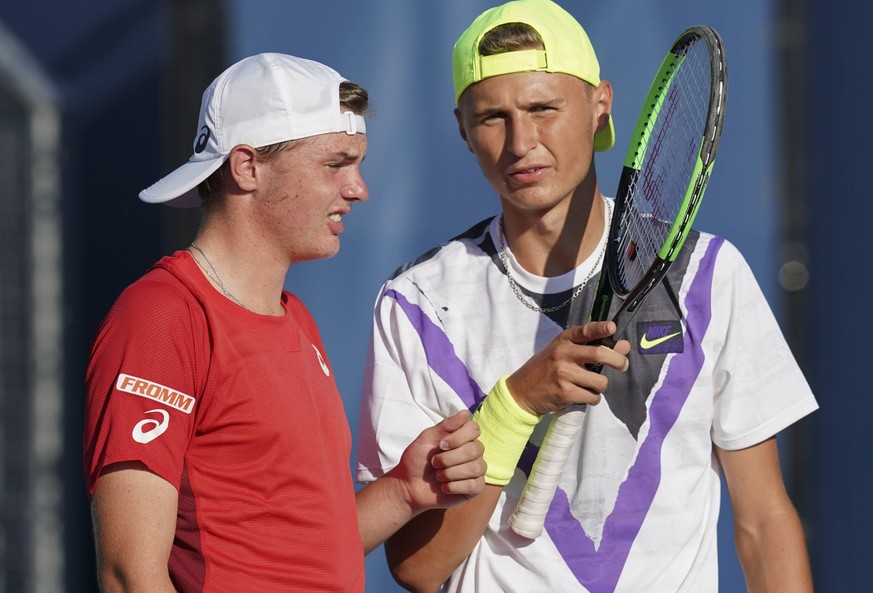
{"points": [[526, 171]]}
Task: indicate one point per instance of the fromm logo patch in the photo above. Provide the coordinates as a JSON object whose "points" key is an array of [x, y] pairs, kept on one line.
{"points": [[155, 391]]}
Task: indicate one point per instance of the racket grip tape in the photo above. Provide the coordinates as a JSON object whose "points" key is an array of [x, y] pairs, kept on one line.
{"points": [[529, 516]]}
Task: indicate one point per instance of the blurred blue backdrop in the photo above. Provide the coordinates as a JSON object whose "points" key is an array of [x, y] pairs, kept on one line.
{"points": [[425, 187], [110, 60]]}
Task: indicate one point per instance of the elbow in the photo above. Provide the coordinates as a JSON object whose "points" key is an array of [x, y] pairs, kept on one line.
{"points": [[111, 580], [413, 581], [118, 577], [413, 575]]}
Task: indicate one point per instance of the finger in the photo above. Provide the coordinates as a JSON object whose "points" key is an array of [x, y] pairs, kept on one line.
{"points": [[468, 488], [623, 348], [464, 471], [611, 357], [589, 332], [589, 385], [468, 431], [440, 432], [469, 452], [453, 423], [599, 354]]}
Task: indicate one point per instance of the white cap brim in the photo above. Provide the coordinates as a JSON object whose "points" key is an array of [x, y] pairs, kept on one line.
{"points": [[259, 101], [183, 183]]}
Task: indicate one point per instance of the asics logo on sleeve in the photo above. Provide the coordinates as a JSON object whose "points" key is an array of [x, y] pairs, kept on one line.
{"points": [[149, 429], [659, 337], [155, 391], [321, 362]]}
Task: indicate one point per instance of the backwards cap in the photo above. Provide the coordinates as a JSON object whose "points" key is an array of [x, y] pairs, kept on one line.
{"points": [[259, 101], [567, 50]]}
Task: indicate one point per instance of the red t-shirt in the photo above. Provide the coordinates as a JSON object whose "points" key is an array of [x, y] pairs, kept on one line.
{"points": [[239, 412]]}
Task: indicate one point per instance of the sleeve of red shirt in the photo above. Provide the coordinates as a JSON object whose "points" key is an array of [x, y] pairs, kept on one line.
{"points": [[147, 367]]}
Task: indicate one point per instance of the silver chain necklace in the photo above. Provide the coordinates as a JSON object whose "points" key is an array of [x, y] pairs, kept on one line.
{"points": [[514, 285], [215, 276]]}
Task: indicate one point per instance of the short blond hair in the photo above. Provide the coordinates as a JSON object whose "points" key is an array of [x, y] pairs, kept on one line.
{"points": [[510, 37]]}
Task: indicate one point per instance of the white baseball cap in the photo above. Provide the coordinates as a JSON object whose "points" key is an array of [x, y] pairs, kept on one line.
{"points": [[259, 101]]}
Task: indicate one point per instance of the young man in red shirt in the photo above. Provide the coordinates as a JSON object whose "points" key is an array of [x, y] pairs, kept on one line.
{"points": [[216, 444]]}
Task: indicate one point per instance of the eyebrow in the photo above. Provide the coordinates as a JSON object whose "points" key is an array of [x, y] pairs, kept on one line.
{"points": [[551, 102], [347, 156]]}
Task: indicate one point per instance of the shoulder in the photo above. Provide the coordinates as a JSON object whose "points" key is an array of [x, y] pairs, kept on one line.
{"points": [[726, 259], [705, 252], [157, 304], [447, 252], [157, 293]]}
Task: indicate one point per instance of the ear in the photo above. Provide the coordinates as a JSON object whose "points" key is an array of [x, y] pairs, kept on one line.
{"points": [[242, 162], [461, 129], [602, 103]]}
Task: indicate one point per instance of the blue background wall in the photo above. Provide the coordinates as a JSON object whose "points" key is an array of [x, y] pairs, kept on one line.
{"points": [[426, 187], [106, 60]]}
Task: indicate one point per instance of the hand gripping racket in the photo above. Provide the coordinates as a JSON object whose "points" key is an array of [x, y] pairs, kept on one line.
{"points": [[665, 174]]}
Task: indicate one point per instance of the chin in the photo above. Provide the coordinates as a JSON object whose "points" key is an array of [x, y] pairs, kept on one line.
{"points": [[326, 253]]}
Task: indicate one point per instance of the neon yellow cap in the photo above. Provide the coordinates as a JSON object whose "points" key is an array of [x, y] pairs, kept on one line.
{"points": [[567, 50]]}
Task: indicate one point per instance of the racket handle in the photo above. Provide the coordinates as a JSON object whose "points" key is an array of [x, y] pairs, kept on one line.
{"points": [[530, 514]]}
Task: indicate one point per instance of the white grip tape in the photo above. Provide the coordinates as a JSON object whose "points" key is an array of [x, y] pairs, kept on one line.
{"points": [[530, 514]]}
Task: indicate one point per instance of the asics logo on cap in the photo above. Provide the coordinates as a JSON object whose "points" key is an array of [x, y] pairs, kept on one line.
{"points": [[202, 139]]}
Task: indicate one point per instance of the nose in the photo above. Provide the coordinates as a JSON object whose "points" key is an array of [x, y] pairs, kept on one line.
{"points": [[521, 136], [356, 190]]}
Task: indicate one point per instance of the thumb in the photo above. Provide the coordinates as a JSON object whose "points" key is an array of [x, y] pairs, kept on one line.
{"points": [[442, 431], [453, 423]]}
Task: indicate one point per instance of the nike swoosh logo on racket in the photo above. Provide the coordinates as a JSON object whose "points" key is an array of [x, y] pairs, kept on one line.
{"points": [[646, 343]]}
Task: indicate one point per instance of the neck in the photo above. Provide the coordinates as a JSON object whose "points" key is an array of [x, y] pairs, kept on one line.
{"points": [[553, 243], [240, 269]]}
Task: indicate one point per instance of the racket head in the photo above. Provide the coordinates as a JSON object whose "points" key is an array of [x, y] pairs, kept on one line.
{"points": [[668, 163], [644, 237]]}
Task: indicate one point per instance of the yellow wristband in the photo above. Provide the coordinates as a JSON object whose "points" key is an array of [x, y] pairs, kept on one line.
{"points": [[504, 429]]}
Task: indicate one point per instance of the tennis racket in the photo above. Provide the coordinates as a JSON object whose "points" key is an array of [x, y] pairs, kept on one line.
{"points": [[666, 170]]}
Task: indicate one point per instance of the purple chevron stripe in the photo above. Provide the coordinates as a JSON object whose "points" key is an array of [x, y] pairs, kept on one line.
{"points": [[440, 353], [599, 570]]}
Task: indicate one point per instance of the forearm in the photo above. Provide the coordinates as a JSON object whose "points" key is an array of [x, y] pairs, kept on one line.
{"points": [[773, 555], [767, 530], [382, 510], [424, 554], [442, 467]]}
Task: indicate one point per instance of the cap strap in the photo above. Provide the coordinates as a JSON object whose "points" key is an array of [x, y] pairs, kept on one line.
{"points": [[513, 61], [354, 123]]}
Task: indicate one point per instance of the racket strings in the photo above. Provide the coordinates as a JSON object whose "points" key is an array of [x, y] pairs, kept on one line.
{"points": [[659, 191]]}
